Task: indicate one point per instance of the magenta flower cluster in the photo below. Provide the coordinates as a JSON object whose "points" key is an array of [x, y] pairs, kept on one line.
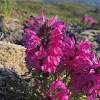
{"points": [[44, 44], [89, 20], [64, 92], [48, 50], [85, 17]]}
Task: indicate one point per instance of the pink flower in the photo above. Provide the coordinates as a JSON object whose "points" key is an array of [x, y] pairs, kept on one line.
{"points": [[30, 40], [39, 85], [40, 54], [42, 17], [84, 19], [90, 20], [92, 96], [95, 23], [50, 64], [74, 53], [78, 59], [33, 61], [47, 50], [90, 83], [44, 42], [63, 94]]}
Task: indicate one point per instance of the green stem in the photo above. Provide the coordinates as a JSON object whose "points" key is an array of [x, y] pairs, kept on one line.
{"points": [[67, 75]]}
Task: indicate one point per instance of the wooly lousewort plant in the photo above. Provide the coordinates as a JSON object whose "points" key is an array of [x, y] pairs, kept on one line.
{"points": [[59, 65], [89, 22]]}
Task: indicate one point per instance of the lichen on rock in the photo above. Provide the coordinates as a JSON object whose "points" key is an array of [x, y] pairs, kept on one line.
{"points": [[12, 56]]}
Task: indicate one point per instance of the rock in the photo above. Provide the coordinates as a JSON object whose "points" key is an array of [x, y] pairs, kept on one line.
{"points": [[1, 21], [11, 85], [13, 32], [98, 54], [13, 24], [98, 41], [94, 43], [4, 86], [13, 57], [87, 33], [90, 37], [15, 38], [1, 35]]}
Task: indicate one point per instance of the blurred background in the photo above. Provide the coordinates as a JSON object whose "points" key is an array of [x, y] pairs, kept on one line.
{"points": [[65, 9]]}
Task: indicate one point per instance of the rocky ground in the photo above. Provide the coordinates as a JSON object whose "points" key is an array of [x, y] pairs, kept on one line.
{"points": [[13, 32]]}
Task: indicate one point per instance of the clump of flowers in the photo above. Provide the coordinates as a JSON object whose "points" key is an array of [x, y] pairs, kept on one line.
{"points": [[50, 54], [85, 17], [44, 44], [63, 94], [95, 23], [90, 20]]}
